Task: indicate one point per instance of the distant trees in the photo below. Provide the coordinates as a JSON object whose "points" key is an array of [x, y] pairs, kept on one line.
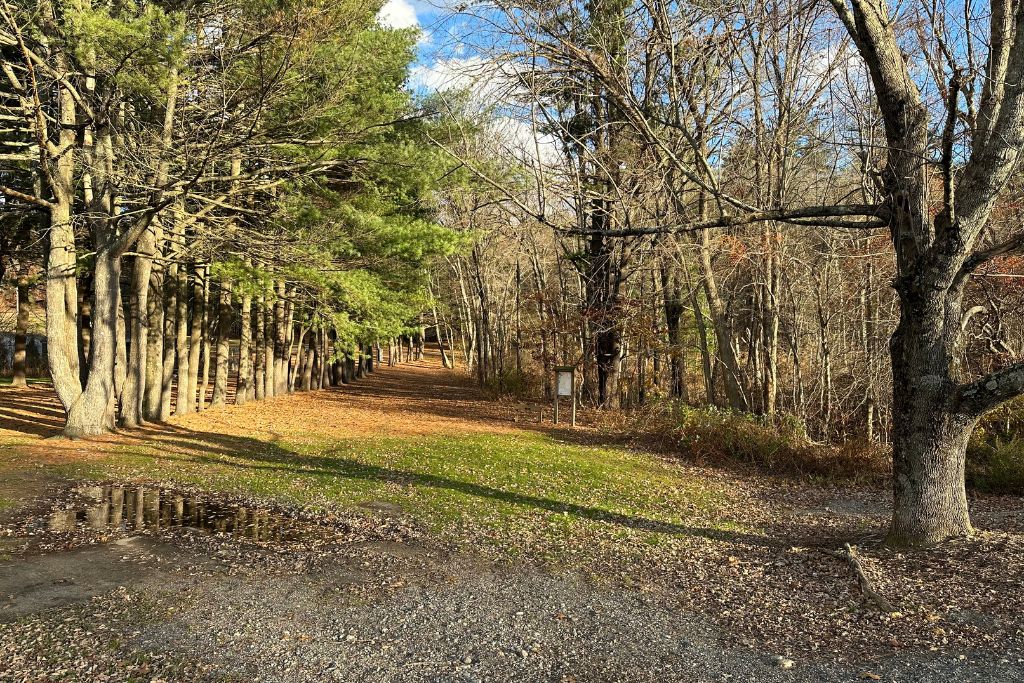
{"points": [[211, 172], [800, 208]]}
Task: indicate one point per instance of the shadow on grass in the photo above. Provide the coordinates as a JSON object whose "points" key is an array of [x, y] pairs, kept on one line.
{"points": [[246, 453]]}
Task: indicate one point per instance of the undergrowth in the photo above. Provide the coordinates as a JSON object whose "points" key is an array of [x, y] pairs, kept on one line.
{"points": [[713, 436], [995, 454]]}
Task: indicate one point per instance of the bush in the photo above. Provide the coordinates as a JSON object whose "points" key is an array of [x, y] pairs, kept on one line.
{"points": [[721, 437], [996, 463], [513, 384]]}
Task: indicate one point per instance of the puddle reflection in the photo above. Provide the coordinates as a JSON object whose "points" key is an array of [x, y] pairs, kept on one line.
{"points": [[142, 508]]}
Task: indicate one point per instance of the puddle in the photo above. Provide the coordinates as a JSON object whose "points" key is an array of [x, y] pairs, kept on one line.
{"points": [[109, 508]]}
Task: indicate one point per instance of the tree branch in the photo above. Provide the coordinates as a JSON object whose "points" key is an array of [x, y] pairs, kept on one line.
{"points": [[803, 216], [31, 199], [991, 390]]}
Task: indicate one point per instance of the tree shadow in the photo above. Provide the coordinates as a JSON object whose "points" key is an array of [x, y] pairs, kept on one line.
{"points": [[32, 411], [247, 453]]}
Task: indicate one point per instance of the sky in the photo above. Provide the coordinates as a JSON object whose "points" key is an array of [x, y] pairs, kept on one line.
{"points": [[399, 14], [446, 61]]}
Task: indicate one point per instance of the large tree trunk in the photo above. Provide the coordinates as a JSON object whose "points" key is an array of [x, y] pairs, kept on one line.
{"points": [[930, 432], [91, 413], [62, 312]]}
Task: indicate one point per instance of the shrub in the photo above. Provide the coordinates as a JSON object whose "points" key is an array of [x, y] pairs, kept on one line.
{"points": [[722, 437], [995, 463], [510, 383]]}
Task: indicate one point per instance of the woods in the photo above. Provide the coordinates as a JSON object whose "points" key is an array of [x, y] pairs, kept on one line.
{"points": [[511, 340], [798, 210], [803, 212], [223, 199]]}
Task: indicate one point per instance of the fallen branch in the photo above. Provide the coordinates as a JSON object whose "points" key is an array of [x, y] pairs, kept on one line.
{"points": [[870, 594]]}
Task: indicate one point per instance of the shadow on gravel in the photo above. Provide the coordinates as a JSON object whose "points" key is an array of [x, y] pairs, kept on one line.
{"points": [[262, 455]]}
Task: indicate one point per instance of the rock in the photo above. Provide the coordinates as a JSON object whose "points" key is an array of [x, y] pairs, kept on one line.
{"points": [[783, 662]]}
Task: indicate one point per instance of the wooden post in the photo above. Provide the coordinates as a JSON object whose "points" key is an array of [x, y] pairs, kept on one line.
{"points": [[573, 399]]}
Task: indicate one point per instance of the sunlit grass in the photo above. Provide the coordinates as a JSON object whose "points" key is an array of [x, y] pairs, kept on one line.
{"points": [[509, 487]]}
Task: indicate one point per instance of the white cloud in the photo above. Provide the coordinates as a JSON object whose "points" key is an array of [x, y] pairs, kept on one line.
{"points": [[450, 74], [398, 14]]}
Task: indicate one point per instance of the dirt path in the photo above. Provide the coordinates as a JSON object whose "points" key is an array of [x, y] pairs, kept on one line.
{"points": [[373, 594]]}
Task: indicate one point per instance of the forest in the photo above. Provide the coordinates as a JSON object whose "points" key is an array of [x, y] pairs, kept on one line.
{"points": [[183, 178], [321, 256]]}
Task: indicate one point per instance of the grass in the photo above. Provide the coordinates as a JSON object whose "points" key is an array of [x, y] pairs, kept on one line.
{"points": [[7, 381], [506, 488]]}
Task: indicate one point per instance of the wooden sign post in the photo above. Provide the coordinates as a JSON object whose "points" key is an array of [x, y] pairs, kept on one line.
{"points": [[565, 386]]}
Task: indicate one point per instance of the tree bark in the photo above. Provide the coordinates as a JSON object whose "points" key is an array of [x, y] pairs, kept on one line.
{"points": [[187, 337], [220, 380], [140, 319], [280, 342], [171, 326], [260, 382], [244, 389], [155, 304], [205, 337], [90, 414], [20, 378]]}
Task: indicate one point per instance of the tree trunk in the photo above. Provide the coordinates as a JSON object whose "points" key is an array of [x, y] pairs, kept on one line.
{"points": [[673, 304], [155, 346], [21, 334], [324, 356], [187, 345], [717, 313], [930, 434], [91, 413], [120, 358], [171, 347], [140, 319], [260, 382], [205, 337], [268, 350], [280, 343], [308, 361], [62, 313], [244, 388], [220, 379]]}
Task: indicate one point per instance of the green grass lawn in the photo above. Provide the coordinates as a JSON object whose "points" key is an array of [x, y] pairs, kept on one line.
{"points": [[511, 491]]}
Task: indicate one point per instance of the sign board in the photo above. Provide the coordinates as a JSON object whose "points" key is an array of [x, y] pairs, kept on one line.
{"points": [[565, 382]]}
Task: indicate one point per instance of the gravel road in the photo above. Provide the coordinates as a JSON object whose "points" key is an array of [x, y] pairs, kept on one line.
{"points": [[199, 609]]}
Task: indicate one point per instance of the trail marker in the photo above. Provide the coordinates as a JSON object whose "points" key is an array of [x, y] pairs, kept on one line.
{"points": [[565, 385]]}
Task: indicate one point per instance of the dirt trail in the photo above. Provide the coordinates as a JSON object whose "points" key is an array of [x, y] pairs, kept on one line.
{"points": [[411, 398]]}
